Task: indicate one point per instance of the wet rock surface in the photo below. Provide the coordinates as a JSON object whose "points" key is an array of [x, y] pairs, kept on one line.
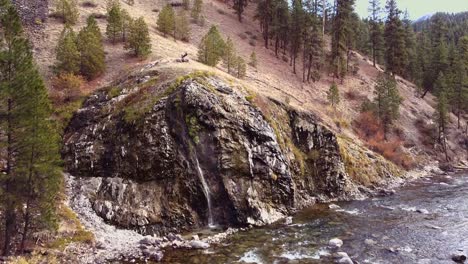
{"points": [[153, 167]]}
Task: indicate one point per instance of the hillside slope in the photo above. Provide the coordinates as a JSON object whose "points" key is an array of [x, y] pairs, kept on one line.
{"points": [[273, 78]]}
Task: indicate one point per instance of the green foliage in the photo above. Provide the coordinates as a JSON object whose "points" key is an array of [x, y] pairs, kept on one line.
{"points": [[241, 67], [182, 27], [211, 47], [197, 10], [387, 100], [230, 56], [126, 20], [396, 56], [166, 20], [333, 95], [31, 178], [340, 35], [92, 51], [67, 54], [139, 41], [114, 22], [67, 10], [193, 127]]}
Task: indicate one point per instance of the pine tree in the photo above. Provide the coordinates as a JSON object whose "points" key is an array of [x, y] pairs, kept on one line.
{"points": [[264, 13], [297, 22], [197, 9], [92, 55], [253, 60], [166, 20], [341, 29], [333, 95], [396, 56], [312, 49], [239, 6], [241, 67], [114, 23], [230, 55], [182, 27], [139, 41], [461, 79], [92, 26], [67, 54], [280, 21], [441, 117], [68, 11], [375, 30], [387, 101], [126, 20], [211, 48], [30, 180]]}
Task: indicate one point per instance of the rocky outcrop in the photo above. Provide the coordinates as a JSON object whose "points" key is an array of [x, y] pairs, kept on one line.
{"points": [[172, 156]]}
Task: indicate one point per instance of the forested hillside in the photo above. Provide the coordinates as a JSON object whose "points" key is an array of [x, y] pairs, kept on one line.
{"points": [[319, 104]]}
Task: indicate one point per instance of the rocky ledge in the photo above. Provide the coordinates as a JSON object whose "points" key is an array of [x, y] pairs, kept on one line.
{"points": [[178, 155]]}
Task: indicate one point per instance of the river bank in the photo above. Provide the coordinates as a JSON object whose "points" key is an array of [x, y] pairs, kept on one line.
{"points": [[125, 245]]}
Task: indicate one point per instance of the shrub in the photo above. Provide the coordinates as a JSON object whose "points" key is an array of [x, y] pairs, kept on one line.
{"points": [[220, 11], [254, 37], [371, 130], [66, 88], [253, 42]]}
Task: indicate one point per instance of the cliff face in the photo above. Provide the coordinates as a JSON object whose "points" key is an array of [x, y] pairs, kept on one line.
{"points": [[182, 155]]}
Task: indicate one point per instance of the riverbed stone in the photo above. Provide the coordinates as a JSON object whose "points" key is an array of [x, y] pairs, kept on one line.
{"points": [[335, 243], [197, 244], [342, 258], [459, 257]]}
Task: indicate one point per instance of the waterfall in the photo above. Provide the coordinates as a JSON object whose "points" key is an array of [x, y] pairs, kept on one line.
{"points": [[249, 158], [206, 191]]}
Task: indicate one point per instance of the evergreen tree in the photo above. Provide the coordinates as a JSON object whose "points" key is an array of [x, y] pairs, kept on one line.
{"points": [[441, 117], [229, 56], [166, 20], [126, 20], [197, 9], [295, 37], [253, 60], [410, 46], [341, 29], [376, 37], [239, 6], [461, 80], [92, 55], [67, 10], [182, 27], [387, 101], [396, 56], [211, 47], [67, 54], [139, 41], [280, 22], [241, 67], [114, 23], [264, 13], [313, 50], [29, 182], [333, 95]]}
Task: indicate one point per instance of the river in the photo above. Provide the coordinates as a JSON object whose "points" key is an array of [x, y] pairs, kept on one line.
{"points": [[424, 222]]}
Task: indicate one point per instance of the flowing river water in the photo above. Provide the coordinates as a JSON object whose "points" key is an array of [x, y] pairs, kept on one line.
{"points": [[424, 222]]}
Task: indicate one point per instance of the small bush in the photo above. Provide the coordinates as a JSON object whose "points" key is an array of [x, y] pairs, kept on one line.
{"points": [[66, 88], [254, 37], [220, 11], [353, 95], [253, 42]]}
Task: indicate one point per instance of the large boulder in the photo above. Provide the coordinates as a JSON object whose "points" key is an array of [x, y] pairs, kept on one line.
{"points": [[161, 149]]}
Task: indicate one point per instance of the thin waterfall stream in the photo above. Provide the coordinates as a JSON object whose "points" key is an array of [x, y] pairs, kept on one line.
{"points": [[206, 191]]}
